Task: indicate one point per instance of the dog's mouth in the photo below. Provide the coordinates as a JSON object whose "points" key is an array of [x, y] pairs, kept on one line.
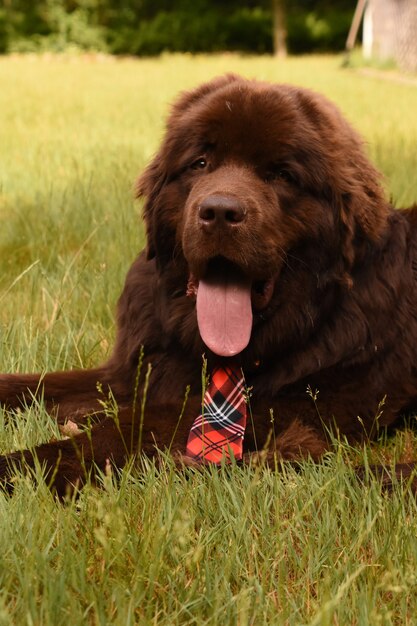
{"points": [[225, 300]]}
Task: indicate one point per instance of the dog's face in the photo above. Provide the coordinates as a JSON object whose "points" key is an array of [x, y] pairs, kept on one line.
{"points": [[248, 177]]}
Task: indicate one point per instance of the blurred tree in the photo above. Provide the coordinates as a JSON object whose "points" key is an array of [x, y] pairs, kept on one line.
{"points": [[280, 29], [149, 27]]}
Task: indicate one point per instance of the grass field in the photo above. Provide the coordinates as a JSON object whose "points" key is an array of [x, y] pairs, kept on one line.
{"points": [[234, 546]]}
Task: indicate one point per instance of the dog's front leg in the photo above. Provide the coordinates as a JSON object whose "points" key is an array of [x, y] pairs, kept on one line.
{"points": [[70, 394], [68, 463]]}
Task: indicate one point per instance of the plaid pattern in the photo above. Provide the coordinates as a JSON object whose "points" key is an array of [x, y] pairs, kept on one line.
{"points": [[218, 432]]}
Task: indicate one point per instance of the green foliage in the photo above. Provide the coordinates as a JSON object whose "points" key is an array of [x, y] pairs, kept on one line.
{"points": [[4, 36], [248, 30], [55, 28], [318, 31], [149, 28]]}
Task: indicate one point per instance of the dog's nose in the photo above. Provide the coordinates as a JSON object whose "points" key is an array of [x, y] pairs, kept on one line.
{"points": [[220, 212]]}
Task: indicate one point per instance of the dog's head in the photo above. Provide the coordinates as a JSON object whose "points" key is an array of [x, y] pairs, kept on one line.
{"points": [[248, 176]]}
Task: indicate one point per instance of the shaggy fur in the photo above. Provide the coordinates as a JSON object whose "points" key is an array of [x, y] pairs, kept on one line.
{"points": [[309, 218]]}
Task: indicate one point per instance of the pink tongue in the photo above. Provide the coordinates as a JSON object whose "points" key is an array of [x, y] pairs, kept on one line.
{"points": [[224, 313]]}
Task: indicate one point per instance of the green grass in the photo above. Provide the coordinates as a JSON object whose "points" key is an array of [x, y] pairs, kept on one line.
{"points": [[235, 546]]}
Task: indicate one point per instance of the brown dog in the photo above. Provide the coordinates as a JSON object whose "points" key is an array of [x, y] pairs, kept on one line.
{"points": [[266, 187]]}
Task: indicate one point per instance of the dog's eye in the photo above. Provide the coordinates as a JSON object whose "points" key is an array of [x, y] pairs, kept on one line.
{"points": [[199, 164], [278, 173], [285, 175]]}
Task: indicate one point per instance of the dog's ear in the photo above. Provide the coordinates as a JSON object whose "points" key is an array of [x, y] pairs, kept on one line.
{"points": [[149, 186], [363, 210], [352, 185]]}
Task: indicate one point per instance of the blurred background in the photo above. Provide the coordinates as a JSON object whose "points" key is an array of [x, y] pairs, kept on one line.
{"points": [[150, 27]]}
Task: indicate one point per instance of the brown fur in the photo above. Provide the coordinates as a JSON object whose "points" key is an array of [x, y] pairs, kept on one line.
{"points": [[342, 318]]}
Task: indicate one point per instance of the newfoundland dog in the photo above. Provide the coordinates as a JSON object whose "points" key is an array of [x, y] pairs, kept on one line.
{"points": [[270, 245]]}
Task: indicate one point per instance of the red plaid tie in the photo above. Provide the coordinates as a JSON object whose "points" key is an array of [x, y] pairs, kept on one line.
{"points": [[221, 427]]}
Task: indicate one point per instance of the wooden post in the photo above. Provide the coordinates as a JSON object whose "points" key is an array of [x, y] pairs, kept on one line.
{"points": [[354, 27], [280, 30]]}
